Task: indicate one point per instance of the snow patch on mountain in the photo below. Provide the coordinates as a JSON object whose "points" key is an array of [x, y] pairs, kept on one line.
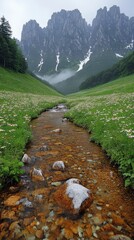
{"points": [[68, 60], [83, 62], [118, 55], [41, 61], [57, 61], [131, 45]]}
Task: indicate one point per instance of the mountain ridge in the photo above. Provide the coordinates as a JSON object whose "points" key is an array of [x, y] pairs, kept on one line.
{"points": [[69, 42]]}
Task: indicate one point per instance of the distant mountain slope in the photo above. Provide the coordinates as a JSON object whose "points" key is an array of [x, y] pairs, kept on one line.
{"points": [[96, 65], [123, 68], [68, 42], [17, 82]]}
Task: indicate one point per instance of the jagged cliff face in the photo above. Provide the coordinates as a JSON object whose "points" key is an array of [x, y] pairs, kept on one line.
{"points": [[60, 45], [111, 30], [69, 42], [31, 43]]}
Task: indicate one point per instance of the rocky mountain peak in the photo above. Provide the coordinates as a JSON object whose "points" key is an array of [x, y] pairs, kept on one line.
{"points": [[110, 30], [101, 12], [66, 37], [114, 11], [30, 29], [69, 19], [68, 42], [101, 18]]}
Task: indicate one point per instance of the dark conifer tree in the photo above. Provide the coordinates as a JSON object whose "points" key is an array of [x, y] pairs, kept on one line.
{"points": [[5, 29], [10, 53]]}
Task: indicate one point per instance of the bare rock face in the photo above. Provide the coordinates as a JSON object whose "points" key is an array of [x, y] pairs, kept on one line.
{"points": [[72, 197], [58, 165]]}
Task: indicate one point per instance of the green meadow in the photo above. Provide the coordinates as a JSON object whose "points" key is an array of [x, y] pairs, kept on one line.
{"points": [[24, 83], [107, 111]]}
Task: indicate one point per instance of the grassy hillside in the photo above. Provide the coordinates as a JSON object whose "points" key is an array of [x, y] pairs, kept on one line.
{"points": [[22, 97], [120, 85], [107, 111], [12, 81], [123, 68]]}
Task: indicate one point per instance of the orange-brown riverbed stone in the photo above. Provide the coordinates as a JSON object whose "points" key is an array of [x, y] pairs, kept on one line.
{"points": [[8, 214], [88, 232], [39, 234], [117, 219], [12, 200]]}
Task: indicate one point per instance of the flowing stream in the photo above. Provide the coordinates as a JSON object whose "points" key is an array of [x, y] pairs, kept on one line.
{"points": [[28, 210]]}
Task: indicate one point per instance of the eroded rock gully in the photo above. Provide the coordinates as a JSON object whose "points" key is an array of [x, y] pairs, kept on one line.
{"points": [[29, 210]]}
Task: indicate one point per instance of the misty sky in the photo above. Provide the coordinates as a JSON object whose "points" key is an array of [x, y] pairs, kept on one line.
{"points": [[18, 12]]}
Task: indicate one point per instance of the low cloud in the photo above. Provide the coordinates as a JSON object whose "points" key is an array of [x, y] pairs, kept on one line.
{"points": [[58, 77]]}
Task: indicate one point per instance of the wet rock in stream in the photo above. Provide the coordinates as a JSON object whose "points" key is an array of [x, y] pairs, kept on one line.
{"points": [[72, 197], [58, 165], [37, 175], [44, 148], [58, 130], [26, 159]]}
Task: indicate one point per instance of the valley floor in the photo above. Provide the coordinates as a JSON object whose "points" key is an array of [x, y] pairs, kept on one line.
{"points": [[106, 111]]}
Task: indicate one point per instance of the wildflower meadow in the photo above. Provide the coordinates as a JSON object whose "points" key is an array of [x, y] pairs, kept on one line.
{"points": [[110, 119]]}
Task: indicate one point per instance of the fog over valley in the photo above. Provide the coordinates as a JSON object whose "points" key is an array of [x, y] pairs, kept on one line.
{"points": [[58, 77]]}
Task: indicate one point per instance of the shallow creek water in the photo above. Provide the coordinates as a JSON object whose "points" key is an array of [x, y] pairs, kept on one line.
{"points": [[28, 210]]}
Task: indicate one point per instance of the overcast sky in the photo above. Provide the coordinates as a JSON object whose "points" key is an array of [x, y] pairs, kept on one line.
{"points": [[18, 12]]}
